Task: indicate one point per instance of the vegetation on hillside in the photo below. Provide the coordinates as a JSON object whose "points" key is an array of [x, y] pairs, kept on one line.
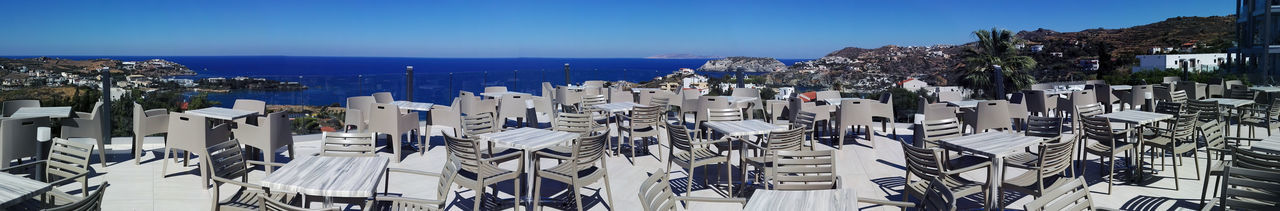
{"points": [[996, 47]]}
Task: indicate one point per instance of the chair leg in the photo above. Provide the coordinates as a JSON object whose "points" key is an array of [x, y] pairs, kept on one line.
{"points": [[164, 169], [577, 196], [1204, 189], [102, 154], [137, 149], [608, 190], [1176, 179], [1111, 180], [537, 194], [517, 190], [480, 196], [1196, 157]]}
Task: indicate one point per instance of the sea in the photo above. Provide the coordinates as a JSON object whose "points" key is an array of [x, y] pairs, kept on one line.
{"points": [[331, 80]]}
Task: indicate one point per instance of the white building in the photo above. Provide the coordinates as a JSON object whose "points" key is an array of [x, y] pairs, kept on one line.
{"points": [[912, 84], [1037, 48], [784, 93], [1189, 62]]}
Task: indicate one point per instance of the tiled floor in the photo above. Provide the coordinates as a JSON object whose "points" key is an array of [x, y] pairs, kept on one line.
{"points": [[875, 173]]}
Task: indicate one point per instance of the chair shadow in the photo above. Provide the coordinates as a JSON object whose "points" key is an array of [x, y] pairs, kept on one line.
{"points": [[891, 164], [1151, 203]]}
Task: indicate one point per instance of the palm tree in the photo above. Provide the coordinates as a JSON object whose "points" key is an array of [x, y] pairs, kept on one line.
{"points": [[996, 47]]}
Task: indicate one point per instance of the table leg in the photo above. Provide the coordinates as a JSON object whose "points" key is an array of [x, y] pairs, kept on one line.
{"points": [[993, 182], [328, 202]]}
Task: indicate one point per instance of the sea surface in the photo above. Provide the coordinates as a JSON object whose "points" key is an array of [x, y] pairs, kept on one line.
{"points": [[435, 80]]}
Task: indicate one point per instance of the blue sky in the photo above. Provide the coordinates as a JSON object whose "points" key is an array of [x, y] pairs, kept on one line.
{"points": [[580, 29]]}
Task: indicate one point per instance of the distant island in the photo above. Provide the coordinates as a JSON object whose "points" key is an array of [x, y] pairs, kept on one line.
{"points": [[748, 64], [682, 56]]}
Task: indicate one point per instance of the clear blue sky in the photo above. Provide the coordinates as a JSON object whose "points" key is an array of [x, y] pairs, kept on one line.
{"points": [[615, 29]]}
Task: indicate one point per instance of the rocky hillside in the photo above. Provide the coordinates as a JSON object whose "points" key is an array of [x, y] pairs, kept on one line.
{"points": [[749, 64]]}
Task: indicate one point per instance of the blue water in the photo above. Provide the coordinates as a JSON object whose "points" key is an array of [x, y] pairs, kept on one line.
{"points": [[436, 80]]}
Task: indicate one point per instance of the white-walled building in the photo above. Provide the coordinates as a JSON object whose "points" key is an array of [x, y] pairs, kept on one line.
{"points": [[912, 84], [784, 93], [1189, 62]]}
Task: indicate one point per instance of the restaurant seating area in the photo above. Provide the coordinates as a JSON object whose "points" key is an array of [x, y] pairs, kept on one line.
{"points": [[1057, 146]]}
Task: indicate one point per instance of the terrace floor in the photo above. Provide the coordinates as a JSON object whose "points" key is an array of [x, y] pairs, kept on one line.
{"points": [[874, 173]]}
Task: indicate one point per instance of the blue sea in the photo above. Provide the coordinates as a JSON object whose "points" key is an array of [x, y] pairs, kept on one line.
{"points": [[436, 80]]}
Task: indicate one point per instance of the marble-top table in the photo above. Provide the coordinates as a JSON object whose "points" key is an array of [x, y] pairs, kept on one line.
{"points": [[528, 139], [994, 145], [1136, 117], [965, 103], [497, 95], [1272, 147], [14, 189], [51, 112], [1121, 87], [737, 100], [810, 200], [1234, 103], [342, 177], [617, 107], [836, 101], [221, 113], [1267, 89], [638, 90], [744, 127], [413, 106]]}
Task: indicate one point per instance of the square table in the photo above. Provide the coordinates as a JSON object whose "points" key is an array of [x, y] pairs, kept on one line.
{"points": [[14, 189], [1267, 89], [994, 145], [330, 177], [51, 112], [836, 101], [528, 139], [1121, 87], [740, 129], [1137, 119], [810, 200], [965, 103], [1234, 103], [1270, 144], [221, 113], [638, 90], [617, 107], [413, 106], [496, 95]]}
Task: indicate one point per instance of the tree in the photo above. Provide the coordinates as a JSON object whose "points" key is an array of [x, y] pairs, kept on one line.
{"points": [[1105, 65], [996, 47]]}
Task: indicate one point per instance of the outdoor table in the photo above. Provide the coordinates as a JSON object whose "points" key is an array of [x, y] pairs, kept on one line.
{"points": [[638, 90], [14, 189], [1267, 89], [413, 106], [528, 140], [994, 145], [1232, 106], [1057, 92], [1265, 146], [836, 101], [51, 112], [1137, 119], [810, 200], [1121, 87], [737, 100], [742, 129], [221, 113], [965, 103], [497, 95], [615, 109], [329, 177]]}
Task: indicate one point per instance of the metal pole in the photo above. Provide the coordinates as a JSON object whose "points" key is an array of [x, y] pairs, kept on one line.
{"points": [[408, 83], [450, 83], [566, 74], [515, 77], [106, 103], [741, 75], [999, 81]]}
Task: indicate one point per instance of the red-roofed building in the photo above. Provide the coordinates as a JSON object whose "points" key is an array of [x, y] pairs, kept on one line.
{"points": [[912, 84]]}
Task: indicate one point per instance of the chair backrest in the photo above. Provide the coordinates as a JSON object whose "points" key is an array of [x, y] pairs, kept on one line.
{"points": [[1184, 126], [936, 130], [1244, 94], [91, 203], [193, 132], [829, 94], [804, 170], [723, 114], [446, 116], [1191, 88], [1214, 135], [493, 89], [361, 104], [1171, 79], [464, 153], [1232, 84], [924, 163], [256, 106], [1070, 196], [1088, 110], [1018, 106], [1102, 93], [383, 97], [67, 159], [995, 115], [226, 160], [484, 106], [594, 83], [579, 123], [655, 193], [567, 96], [1169, 108], [1044, 127], [1179, 96], [513, 106], [548, 91], [589, 102], [1208, 110], [1036, 101], [1274, 108], [1083, 97], [339, 144], [936, 111], [618, 96], [1250, 189], [588, 150], [479, 123], [679, 137], [1099, 129], [1055, 158], [11, 106], [18, 138], [855, 112], [1250, 159], [1138, 94], [643, 116], [804, 120]]}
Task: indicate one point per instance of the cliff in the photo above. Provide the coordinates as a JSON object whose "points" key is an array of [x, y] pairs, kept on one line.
{"points": [[749, 64]]}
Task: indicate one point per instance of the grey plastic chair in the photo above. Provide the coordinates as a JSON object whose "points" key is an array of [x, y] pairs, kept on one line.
{"points": [[88, 125], [1106, 143], [444, 116], [854, 113], [480, 123], [339, 144], [826, 95], [566, 97], [11, 106], [1247, 189], [804, 170], [494, 89], [1073, 195], [541, 107], [647, 95], [689, 104], [1040, 103], [272, 132], [513, 107], [388, 201], [584, 166], [146, 123], [1054, 160], [693, 152], [708, 103], [383, 97], [1268, 118], [1178, 139], [477, 170], [192, 133], [1195, 91], [927, 165], [992, 114], [1137, 97], [1018, 110], [751, 107], [932, 131], [387, 119], [618, 96], [227, 163], [257, 106], [656, 195], [18, 138], [93, 202], [642, 122], [357, 115], [468, 102], [548, 91], [883, 109], [774, 111], [763, 161], [69, 162]]}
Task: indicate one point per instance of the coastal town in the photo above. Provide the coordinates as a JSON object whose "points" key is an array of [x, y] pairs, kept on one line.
{"points": [[148, 75]]}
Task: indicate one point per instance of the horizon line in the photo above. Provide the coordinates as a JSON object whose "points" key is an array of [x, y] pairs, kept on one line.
{"points": [[407, 57]]}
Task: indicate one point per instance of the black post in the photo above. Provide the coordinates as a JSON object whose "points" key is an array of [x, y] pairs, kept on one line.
{"points": [[450, 83], [566, 74], [741, 73], [515, 79], [999, 81], [106, 103], [408, 83]]}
